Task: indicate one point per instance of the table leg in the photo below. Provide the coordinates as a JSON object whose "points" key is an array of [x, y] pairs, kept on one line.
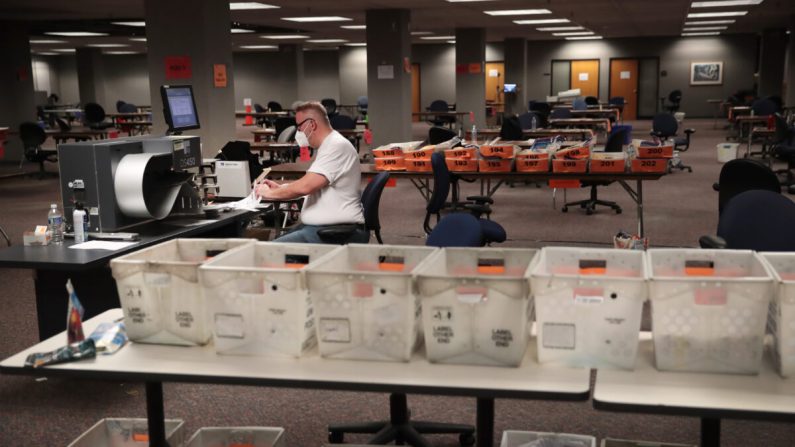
{"points": [[637, 196], [748, 148], [710, 432], [484, 429], [155, 415]]}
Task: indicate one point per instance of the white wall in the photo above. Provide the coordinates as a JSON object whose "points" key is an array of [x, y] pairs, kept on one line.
{"points": [[67, 88], [353, 74], [126, 79], [321, 76], [437, 72]]}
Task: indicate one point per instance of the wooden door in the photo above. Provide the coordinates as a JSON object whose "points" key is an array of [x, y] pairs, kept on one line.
{"points": [[624, 82], [495, 81], [416, 102], [585, 76]]}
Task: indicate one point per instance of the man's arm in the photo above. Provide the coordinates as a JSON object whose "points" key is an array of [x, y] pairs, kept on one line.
{"points": [[306, 185]]}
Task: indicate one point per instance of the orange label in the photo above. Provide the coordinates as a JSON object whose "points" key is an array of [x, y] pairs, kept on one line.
{"points": [[140, 437], [491, 269], [391, 266]]}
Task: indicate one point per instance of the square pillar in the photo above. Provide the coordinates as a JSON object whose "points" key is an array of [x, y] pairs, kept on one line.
{"points": [[470, 79]]}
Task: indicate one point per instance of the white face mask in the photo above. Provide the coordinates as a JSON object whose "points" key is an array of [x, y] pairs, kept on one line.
{"points": [[301, 139]]}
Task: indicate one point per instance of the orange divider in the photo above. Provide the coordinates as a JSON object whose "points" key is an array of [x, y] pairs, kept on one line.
{"points": [[461, 164], [529, 165], [500, 151], [461, 152], [388, 152], [420, 165], [570, 166], [494, 165], [390, 164], [608, 166], [666, 151], [651, 165]]}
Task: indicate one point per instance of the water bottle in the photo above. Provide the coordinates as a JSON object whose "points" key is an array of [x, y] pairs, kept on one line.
{"points": [[534, 122], [55, 223], [474, 133], [80, 223]]}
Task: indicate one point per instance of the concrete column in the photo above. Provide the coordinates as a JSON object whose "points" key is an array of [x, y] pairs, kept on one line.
{"points": [[789, 73], [353, 74], [16, 84], [388, 83], [200, 32], [772, 53], [292, 62], [516, 73], [470, 79], [91, 78]]}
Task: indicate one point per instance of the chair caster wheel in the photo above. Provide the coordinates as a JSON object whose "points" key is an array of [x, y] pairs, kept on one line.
{"points": [[589, 211], [336, 437], [466, 439], [618, 211], [565, 209], [583, 205], [689, 170]]}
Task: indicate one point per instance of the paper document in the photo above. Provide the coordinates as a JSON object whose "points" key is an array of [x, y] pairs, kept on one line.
{"points": [[102, 245]]}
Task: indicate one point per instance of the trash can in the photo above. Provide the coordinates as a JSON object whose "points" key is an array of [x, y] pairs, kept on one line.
{"points": [[727, 151]]}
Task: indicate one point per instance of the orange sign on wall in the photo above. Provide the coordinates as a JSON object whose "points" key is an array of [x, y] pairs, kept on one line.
{"points": [[178, 67], [475, 68], [219, 75]]}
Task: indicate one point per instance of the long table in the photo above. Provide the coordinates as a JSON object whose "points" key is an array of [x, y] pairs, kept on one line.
{"points": [[582, 134], [592, 123], [422, 180], [155, 364]]}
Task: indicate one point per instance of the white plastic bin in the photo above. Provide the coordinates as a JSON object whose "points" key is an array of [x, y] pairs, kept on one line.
{"points": [[257, 300], [237, 436], [123, 432], [727, 151], [515, 438], [709, 309], [365, 304], [160, 292], [609, 442], [475, 305], [781, 320], [588, 305]]}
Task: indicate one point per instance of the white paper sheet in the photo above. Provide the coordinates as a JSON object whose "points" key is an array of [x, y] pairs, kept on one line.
{"points": [[102, 245]]}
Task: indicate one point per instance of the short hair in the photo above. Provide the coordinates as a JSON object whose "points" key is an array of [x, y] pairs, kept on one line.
{"points": [[316, 107]]}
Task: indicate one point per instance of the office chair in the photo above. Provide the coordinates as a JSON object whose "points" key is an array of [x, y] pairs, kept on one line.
{"points": [[274, 106], [591, 100], [456, 230], [119, 103], [764, 107], [241, 151], [617, 101], [560, 113], [540, 107], [127, 108], [663, 127], [330, 105], [755, 220], [744, 174], [511, 129], [615, 143], [340, 234], [260, 121], [776, 99], [580, 104], [783, 148], [287, 135], [342, 122], [674, 99], [63, 126], [33, 137], [437, 135], [531, 120], [441, 105], [283, 123], [361, 105], [94, 116]]}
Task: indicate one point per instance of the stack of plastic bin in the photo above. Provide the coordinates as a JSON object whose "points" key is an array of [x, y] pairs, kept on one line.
{"points": [[475, 305], [160, 292], [118, 432], [588, 305], [781, 321], [237, 436], [364, 301], [709, 309], [515, 438], [257, 299]]}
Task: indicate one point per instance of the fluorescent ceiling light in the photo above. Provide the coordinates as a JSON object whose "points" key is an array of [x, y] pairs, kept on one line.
{"points": [[64, 50], [579, 33], [723, 3], [698, 15], [421, 33], [540, 21], [327, 40], [585, 38], [138, 39], [260, 47], [107, 45], [706, 28], [712, 22], [120, 52], [285, 36], [75, 34], [240, 6], [437, 37], [317, 19], [139, 23], [700, 34], [46, 41], [241, 30], [517, 12], [451, 41], [560, 28], [354, 26], [356, 44], [47, 53]]}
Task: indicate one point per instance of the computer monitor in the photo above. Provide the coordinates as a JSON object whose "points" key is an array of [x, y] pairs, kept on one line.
{"points": [[509, 88], [179, 108]]}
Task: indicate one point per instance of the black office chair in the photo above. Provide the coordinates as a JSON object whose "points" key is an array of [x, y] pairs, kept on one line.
{"points": [[283, 123], [664, 126], [531, 120], [63, 126], [457, 230], [755, 220], [440, 105], [779, 103], [592, 100], [437, 135], [764, 107], [615, 143], [33, 137], [128, 108], [344, 122], [744, 174], [330, 106], [241, 151], [560, 113], [674, 101], [341, 234], [274, 106], [94, 117], [260, 120], [362, 105], [119, 104], [511, 129], [782, 147]]}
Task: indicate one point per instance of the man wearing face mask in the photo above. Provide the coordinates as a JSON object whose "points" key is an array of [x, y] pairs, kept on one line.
{"points": [[331, 184]]}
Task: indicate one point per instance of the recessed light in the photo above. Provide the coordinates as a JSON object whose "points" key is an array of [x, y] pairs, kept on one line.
{"points": [[697, 15], [356, 44], [119, 53], [421, 33], [705, 28], [540, 21], [354, 26], [517, 12], [138, 39], [723, 3], [712, 22], [46, 53], [75, 34], [327, 40], [285, 36], [140, 23], [317, 19], [451, 41], [64, 50], [585, 38], [241, 30], [437, 37], [260, 47], [578, 33], [107, 45], [700, 34], [240, 6], [47, 41], [560, 28]]}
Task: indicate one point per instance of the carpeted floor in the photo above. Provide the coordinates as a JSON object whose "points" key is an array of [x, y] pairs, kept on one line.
{"points": [[678, 209]]}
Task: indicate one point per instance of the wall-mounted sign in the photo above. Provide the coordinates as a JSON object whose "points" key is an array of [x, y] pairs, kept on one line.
{"points": [[178, 67], [475, 68], [624, 75], [583, 76], [386, 72], [219, 75]]}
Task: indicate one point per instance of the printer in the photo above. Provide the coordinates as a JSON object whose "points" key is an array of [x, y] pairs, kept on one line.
{"points": [[127, 181]]}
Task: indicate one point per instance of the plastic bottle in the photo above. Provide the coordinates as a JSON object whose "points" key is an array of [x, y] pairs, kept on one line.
{"points": [[474, 133], [534, 122], [80, 223], [55, 224]]}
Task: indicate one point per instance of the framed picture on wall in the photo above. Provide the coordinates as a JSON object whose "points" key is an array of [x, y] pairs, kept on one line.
{"points": [[706, 73]]}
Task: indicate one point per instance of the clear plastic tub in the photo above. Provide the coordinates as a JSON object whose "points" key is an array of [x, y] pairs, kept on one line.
{"points": [[515, 438], [781, 319], [122, 432], [365, 305], [160, 292], [257, 299], [237, 436], [588, 305], [475, 305], [709, 309]]}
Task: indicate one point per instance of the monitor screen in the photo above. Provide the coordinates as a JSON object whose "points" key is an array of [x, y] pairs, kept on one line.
{"points": [[179, 107], [509, 88]]}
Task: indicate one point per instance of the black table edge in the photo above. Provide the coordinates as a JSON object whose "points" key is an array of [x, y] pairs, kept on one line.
{"points": [[693, 412]]}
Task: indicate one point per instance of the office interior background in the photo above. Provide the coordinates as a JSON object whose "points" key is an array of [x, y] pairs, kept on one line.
{"points": [[270, 58]]}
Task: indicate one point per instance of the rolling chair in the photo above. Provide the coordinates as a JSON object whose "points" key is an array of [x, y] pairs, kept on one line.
{"points": [[591, 100], [340, 234], [330, 105], [755, 220], [94, 117], [362, 104], [744, 174], [441, 105], [119, 104], [615, 143], [437, 135], [540, 107], [664, 126], [531, 120], [581, 104], [287, 135], [457, 230], [63, 126], [617, 101], [274, 106], [674, 100], [560, 113], [127, 108], [764, 107], [33, 137], [783, 148], [260, 121], [283, 123], [511, 129]]}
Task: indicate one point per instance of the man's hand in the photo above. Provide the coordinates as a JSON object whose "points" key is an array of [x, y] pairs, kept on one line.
{"points": [[270, 183], [307, 184]]}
